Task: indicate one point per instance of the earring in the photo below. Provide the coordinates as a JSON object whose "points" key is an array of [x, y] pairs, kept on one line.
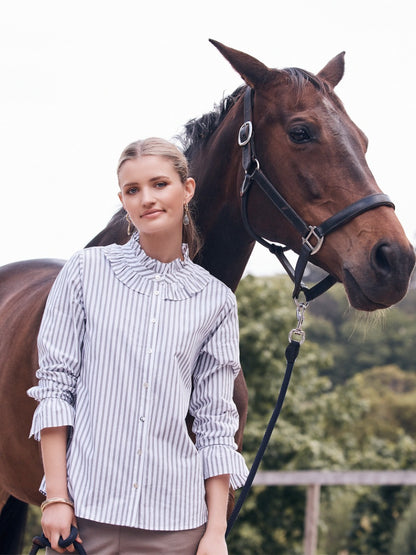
{"points": [[186, 214], [129, 225]]}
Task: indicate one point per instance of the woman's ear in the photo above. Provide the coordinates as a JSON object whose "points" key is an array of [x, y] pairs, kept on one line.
{"points": [[189, 189]]}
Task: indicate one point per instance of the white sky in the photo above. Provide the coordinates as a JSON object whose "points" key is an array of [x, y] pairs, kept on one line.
{"points": [[81, 79]]}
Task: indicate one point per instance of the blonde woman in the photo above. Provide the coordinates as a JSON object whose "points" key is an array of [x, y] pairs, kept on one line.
{"points": [[133, 337]]}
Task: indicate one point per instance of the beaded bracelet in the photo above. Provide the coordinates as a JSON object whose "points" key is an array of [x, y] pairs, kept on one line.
{"points": [[55, 500]]}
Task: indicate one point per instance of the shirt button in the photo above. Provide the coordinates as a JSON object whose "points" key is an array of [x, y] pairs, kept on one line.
{"points": [[157, 277], [146, 385], [139, 452], [135, 485], [153, 321], [142, 419], [149, 351], [157, 292]]}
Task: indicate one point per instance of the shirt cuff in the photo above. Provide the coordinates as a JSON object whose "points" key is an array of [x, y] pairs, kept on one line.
{"points": [[51, 413], [219, 459]]}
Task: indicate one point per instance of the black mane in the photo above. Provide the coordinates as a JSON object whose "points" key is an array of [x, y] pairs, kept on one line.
{"points": [[197, 131]]}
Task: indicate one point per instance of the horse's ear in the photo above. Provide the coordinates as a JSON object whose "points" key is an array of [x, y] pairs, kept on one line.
{"points": [[334, 70], [251, 70]]}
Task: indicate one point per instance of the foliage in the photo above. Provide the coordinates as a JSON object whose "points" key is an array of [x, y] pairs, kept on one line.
{"points": [[33, 527], [359, 341], [404, 540]]}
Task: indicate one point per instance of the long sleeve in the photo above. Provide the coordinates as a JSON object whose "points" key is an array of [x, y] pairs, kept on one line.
{"points": [[212, 405], [124, 341], [60, 351]]}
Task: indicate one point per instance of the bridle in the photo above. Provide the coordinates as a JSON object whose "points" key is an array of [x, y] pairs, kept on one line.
{"points": [[312, 236], [312, 240]]}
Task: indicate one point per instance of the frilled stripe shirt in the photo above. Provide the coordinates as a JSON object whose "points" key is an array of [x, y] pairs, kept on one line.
{"points": [[127, 346]]}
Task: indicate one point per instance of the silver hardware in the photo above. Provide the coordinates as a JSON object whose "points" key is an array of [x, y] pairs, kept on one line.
{"points": [[255, 169], [298, 333], [318, 238], [246, 130]]}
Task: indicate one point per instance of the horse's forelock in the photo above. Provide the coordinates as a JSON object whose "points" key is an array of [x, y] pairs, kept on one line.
{"points": [[299, 78]]}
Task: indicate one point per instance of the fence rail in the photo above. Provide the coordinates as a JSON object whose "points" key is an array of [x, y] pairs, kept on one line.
{"points": [[314, 479]]}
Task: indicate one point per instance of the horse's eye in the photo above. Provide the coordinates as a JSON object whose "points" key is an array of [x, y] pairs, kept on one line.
{"points": [[300, 134]]}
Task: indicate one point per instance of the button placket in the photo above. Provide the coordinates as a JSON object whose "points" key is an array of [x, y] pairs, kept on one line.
{"points": [[155, 302]]}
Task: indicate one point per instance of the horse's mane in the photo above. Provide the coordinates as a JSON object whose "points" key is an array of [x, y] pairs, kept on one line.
{"points": [[198, 130]]}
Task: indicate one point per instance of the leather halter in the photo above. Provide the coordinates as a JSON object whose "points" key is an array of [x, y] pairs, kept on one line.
{"points": [[312, 236]]}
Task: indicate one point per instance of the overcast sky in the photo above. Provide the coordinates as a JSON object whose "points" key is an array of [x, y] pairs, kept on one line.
{"points": [[81, 79]]}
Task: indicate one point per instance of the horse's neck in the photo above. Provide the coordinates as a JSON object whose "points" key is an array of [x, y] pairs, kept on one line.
{"points": [[217, 171], [114, 232]]}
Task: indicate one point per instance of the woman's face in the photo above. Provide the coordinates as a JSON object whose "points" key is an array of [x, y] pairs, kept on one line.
{"points": [[153, 195]]}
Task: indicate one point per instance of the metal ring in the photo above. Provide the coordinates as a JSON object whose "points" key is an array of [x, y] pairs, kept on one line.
{"points": [[257, 167]]}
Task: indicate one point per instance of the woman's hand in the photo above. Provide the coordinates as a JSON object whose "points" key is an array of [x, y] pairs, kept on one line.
{"points": [[212, 544], [56, 522]]}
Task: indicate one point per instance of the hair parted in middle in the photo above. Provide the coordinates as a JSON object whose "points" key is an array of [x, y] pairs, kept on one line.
{"points": [[156, 146]]}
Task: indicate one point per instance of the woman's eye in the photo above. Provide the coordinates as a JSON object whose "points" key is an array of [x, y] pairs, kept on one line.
{"points": [[300, 134], [132, 190], [160, 184]]}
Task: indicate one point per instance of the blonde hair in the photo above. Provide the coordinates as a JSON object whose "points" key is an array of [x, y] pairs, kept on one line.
{"points": [[155, 146]]}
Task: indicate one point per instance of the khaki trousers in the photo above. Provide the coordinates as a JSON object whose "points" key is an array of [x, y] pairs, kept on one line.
{"points": [[106, 539]]}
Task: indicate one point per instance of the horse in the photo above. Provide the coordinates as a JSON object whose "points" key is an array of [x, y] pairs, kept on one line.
{"points": [[313, 154]]}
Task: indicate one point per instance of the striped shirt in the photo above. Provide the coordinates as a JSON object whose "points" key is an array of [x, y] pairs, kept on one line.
{"points": [[127, 346]]}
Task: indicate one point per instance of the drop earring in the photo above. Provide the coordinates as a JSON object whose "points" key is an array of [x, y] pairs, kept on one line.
{"points": [[129, 225], [186, 214]]}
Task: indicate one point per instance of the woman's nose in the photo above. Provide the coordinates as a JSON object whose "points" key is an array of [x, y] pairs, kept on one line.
{"points": [[147, 196]]}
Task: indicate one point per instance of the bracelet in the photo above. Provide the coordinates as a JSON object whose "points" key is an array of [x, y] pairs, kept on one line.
{"points": [[55, 500]]}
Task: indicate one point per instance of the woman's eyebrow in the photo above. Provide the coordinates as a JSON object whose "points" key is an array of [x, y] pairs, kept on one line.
{"points": [[159, 177]]}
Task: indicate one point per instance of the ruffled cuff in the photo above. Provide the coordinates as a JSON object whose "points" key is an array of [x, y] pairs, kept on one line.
{"points": [[51, 413], [219, 459]]}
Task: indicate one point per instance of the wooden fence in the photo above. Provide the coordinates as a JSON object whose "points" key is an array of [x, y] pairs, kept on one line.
{"points": [[314, 479]]}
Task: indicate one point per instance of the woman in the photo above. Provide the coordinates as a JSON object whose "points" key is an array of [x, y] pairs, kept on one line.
{"points": [[133, 337]]}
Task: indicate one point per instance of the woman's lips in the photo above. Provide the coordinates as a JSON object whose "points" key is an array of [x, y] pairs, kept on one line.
{"points": [[151, 213]]}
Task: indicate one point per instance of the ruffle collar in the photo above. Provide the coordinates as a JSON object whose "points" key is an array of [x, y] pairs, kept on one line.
{"points": [[176, 280]]}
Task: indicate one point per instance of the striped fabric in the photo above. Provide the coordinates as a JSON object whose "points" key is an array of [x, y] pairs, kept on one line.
{"points": [[127, 345]]}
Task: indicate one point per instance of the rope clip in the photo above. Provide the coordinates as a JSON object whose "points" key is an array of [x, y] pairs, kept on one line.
{"points": [[298, 333]]}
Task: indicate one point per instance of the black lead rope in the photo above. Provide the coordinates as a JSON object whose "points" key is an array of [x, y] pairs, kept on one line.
{"points": [[291, 353], [39, 542]]}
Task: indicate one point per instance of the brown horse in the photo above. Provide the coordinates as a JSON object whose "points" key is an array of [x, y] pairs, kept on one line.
{"points": [[315, 157]]}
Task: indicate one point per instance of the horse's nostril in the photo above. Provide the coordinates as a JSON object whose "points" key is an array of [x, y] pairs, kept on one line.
{"points": [[383, 257]]}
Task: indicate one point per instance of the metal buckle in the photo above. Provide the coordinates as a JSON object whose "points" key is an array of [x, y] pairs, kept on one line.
{"points": [[245, 133], [319, 239]]}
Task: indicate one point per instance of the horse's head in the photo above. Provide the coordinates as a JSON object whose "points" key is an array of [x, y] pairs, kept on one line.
{"points": [[314, 155]]}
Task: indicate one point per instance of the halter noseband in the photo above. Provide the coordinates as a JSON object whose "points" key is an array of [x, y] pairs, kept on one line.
{"points": [[312, 236]]}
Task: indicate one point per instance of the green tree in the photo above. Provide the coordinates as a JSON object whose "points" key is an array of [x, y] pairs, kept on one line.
{"points": [[322, 425], [359, 341], [404, 540]]}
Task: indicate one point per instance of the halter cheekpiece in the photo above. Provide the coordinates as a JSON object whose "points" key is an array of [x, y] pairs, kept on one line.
{"points": [[312, 236]]}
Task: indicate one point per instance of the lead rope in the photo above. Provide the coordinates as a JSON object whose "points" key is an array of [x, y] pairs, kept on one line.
{"points": [[296, 338], [40, 542]]}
